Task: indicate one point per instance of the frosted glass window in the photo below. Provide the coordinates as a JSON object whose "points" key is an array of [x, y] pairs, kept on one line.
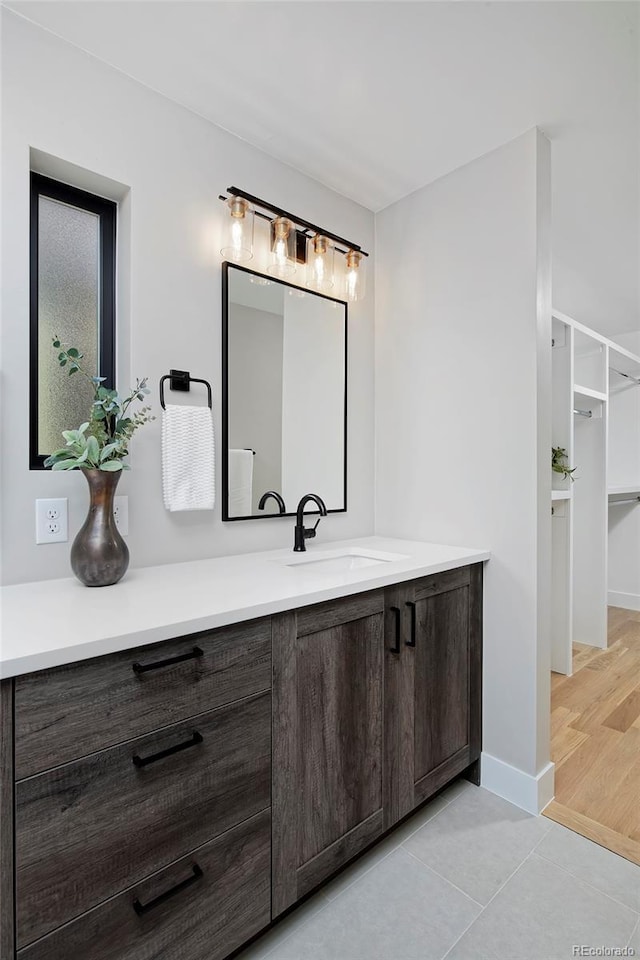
{"points": [[68, 302], [72, 267]]}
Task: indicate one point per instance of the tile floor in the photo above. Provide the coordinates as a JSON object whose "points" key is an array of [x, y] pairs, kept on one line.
{"points": [[468, 877]]}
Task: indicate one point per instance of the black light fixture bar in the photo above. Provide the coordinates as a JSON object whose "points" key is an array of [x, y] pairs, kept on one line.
{"points": [[279, 212]]}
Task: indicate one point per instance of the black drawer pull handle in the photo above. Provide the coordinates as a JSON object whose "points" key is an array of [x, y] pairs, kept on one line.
{"points": [[412, 608], [143, 761], [395, 648], [139, 668], [142, 908]]}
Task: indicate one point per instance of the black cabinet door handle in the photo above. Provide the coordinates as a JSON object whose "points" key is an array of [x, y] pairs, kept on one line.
{"points": [[142, 908], [139, 668], [143, 761], [395, 647], [412, 607]]}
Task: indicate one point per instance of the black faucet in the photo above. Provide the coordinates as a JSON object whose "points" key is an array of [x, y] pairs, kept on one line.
{"points": [[301, 532], [276, 497]]}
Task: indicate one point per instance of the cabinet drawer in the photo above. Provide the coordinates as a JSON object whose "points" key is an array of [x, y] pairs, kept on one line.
{"points": [[69, 712], [440, 583], [225, 901], [89, 829]]}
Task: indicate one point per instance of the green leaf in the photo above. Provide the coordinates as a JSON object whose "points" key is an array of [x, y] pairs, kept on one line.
{"points": [[66, 465], [73, 352], [56, 344], [63, 363], [108, 450], [93, 450], [111, 466]]}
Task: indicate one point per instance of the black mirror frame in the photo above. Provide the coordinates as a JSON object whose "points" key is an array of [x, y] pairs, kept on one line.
{"points": [[225, 394]]}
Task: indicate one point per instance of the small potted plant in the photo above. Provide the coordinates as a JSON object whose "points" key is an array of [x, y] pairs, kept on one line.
{"points": [[560, 464], [99, 555]]}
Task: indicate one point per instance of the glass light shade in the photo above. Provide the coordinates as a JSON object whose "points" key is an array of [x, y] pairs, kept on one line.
{"points": [[237, 239], [355, 276], [320, 255], [283, 248]]}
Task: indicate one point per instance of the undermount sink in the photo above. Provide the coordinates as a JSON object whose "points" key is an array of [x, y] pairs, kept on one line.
{"points": [[342, 561]]}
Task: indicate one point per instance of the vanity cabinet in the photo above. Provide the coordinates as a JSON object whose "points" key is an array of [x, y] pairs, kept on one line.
{"points": [[327, 740], [171, 800], [433, 686]]}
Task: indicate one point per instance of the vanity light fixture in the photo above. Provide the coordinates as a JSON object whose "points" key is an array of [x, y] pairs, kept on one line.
{"points": [[296, 243], [320, 263], [355, 278], [283, 248], [237, 243]]}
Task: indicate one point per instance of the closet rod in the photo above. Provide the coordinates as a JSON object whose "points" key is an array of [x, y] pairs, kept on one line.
{"points": [[626, 500], [584, 413], [626, 375]]}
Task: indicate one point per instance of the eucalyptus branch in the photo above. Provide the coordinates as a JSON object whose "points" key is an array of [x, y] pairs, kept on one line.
{"points": [[102, 442]]}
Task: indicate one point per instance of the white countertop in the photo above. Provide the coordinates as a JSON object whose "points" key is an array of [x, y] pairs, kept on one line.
{"points": [[53, 622]]}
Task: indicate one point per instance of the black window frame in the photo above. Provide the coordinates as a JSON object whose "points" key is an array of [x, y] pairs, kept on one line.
{"points": [[42, 186]]}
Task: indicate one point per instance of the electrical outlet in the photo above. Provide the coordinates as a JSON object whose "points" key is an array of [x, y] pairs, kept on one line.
{"points": [[121, 514], [52, 521]]}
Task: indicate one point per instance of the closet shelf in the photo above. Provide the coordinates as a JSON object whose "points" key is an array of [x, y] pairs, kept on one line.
{"points": [[624, 489], [561, 494], [579, 391]]}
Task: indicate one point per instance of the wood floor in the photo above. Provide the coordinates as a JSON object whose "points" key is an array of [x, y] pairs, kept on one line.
{"points": [[595, 740]]}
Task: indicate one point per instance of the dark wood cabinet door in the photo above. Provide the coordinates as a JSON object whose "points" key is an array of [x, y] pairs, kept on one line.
{"points": [[327, 740], [432, 685]]}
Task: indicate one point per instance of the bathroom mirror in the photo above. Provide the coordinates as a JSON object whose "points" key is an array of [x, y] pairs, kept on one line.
{"points": [[284, 395]]}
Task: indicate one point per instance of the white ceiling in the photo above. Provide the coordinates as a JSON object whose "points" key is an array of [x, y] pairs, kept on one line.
{"points": [[377, 99]]}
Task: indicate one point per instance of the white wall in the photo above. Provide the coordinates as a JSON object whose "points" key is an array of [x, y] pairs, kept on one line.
{"points": [[171, 166], [624, 468], [463, 360]]}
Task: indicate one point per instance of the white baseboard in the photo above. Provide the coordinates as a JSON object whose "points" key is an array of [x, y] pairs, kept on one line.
{"points": [[629, 601], [530, 793]]}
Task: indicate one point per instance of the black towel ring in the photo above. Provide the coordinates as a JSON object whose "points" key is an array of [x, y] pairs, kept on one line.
{"points": [[181, 380]]}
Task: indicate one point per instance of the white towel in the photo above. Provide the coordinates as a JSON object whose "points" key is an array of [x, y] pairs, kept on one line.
{"points": [[188, 458], [240, 483]]}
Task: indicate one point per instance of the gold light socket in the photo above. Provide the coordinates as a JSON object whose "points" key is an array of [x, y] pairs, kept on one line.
{"points": [[281, 228], [238, 207]]}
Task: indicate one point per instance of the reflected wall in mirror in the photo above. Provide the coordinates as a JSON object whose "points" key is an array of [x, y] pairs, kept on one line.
{"points": [[284, 396]]}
